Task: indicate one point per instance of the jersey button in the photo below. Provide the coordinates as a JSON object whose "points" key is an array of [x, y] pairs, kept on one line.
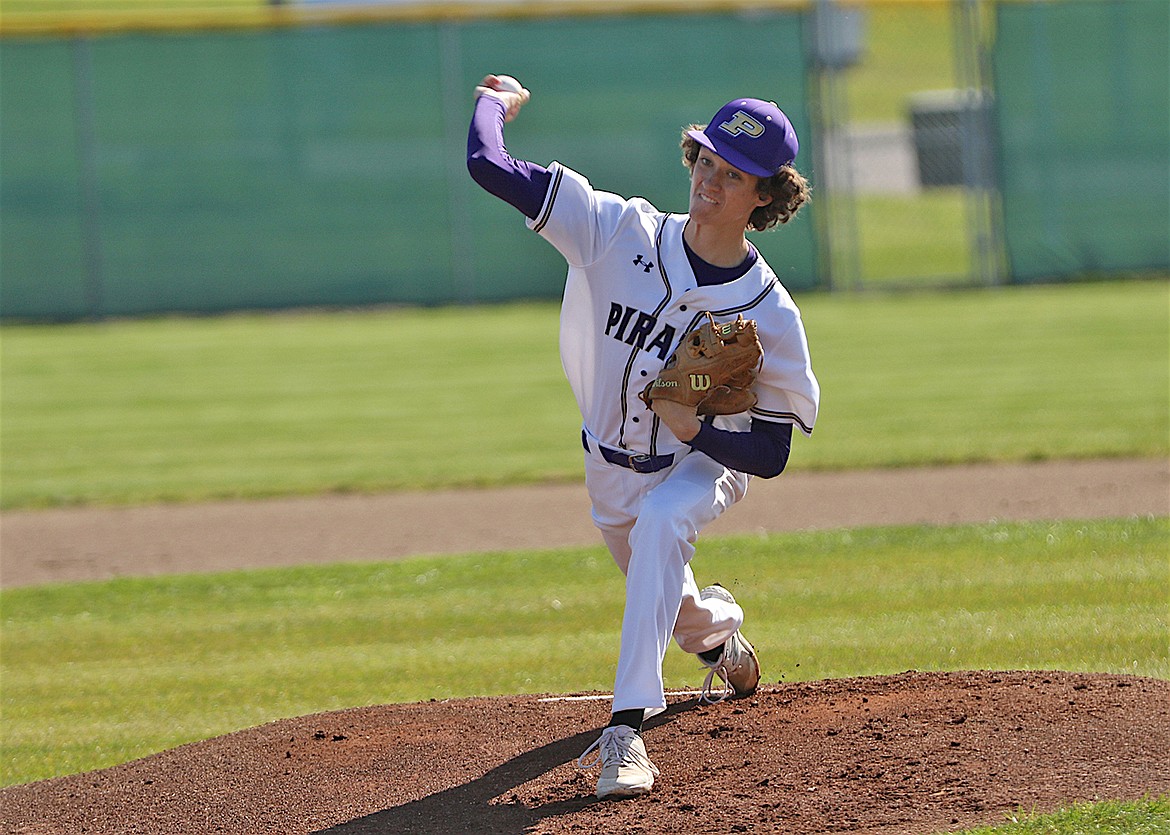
{"points": [[643, 373], [682, 307], [637, 420]]}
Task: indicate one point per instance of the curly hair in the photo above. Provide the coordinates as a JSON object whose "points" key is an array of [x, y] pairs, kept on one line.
{"points": [[788, 188]]}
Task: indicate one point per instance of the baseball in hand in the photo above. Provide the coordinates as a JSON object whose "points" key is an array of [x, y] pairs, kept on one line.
{"points": [[507, 84]]}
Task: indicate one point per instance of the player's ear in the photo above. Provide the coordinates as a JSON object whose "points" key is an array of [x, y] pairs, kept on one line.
{"points": [[764, 194]]}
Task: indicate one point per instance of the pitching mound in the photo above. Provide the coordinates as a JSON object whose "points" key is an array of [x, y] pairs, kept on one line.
{"points": [[912, 753]]}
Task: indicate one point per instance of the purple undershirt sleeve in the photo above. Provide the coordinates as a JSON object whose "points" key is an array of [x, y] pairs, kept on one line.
{"points": [[523, 184], [762, 452]]}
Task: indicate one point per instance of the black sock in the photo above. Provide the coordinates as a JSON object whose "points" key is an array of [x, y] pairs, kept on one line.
{"points": [[629, 718], [712, 655]]}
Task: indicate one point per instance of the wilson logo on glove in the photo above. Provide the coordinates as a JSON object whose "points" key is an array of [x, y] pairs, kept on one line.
{"points": [[713, 369]]}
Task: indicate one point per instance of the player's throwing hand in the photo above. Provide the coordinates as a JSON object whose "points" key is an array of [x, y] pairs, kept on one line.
{"points": [[507, 89]]}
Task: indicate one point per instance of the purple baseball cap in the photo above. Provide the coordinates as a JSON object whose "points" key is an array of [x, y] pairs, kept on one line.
{"points": [[753, 135]]}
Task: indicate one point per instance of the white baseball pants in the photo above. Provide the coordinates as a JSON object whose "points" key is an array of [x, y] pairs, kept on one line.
{"points": [[650, 522]]}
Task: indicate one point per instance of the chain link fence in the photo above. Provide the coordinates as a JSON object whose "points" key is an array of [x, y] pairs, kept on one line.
{"points": [[963, 140], [907, 148]]}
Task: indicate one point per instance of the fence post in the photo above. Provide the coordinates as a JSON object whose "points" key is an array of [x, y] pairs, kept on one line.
{"points": [[974, 103], [834, 43]]}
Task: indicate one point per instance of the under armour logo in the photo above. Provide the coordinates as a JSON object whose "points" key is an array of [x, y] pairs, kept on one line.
{"points": [[743, 123], [647, 266]]}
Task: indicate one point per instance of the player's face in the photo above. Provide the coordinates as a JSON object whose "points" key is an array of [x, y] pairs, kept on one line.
{"points": [[721, 193]]}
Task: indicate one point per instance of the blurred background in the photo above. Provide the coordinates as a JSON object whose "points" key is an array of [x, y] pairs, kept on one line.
{"points": [[211, 155]]}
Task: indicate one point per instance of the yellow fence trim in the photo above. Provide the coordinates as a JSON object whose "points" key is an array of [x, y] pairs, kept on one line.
{"points": [[89, 22]]}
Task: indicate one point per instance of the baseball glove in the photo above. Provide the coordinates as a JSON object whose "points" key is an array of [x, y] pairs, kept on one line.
{"points": [[712, 369]]}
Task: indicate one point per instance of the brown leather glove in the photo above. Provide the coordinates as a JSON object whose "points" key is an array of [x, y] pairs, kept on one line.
{"points": [[713, 369]]}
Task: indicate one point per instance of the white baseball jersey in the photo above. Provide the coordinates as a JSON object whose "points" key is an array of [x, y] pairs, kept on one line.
{"points": [[631, 297]]}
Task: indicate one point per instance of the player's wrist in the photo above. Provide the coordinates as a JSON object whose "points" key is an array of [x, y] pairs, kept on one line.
{"points": [[494, 96], [680, 419]]}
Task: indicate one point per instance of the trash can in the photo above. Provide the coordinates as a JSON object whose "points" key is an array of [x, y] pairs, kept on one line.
{"points": [[941, 121]]}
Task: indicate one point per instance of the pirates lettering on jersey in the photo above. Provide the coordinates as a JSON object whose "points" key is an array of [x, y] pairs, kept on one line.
{"points": [[623, 326]]}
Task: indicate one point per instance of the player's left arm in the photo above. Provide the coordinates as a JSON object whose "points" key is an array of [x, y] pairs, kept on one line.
{"points": [[762, 452], [788, 393]]}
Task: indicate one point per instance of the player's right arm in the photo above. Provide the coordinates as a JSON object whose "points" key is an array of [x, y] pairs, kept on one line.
{"points": [[560, 204], [523, 184]]}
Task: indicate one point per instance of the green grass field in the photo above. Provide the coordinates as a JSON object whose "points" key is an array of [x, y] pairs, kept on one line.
{"points": [[189, 409], [255, 405], [907, 240], [908, 48], [1107, 818], [124, 412], [99, 673]]}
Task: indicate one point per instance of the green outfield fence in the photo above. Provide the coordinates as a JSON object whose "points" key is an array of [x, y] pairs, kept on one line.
{"points": [[325, 164], [1082, 93], [284, 156]]}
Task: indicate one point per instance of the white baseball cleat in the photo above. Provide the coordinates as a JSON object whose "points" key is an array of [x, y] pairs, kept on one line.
{"points": [[737, 668], [626, 770]]}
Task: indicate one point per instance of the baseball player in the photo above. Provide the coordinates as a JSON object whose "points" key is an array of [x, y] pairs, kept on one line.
{"points": [[639, 281]]}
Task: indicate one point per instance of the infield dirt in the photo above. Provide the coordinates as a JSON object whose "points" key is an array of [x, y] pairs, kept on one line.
{"points": [[910, 753], [94, 543]]}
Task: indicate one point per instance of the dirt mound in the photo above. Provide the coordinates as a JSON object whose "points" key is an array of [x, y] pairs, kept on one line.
{"points": [[911, 753]]}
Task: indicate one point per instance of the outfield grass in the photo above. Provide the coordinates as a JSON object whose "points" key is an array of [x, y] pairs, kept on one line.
{"points": [[191, 409], [99, 673], [908, 48], [95, 674], [919, 238], [1150, 817]]}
